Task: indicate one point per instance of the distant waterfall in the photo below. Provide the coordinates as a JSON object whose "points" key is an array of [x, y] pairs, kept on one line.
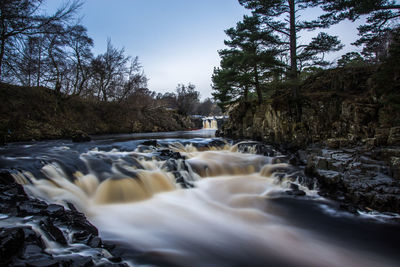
{"points": [[210, 123]]}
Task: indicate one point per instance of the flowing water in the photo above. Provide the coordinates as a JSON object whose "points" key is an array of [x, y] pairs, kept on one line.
{"points": [[210, 123], [178, 200]]}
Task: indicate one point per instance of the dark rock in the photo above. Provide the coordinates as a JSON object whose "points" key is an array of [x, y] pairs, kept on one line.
{"points": [[6, 178], [295, 193], [32, 237], [80, 136], [75, 260], [11, 243], [52, 231], [55, 210], [94, 242], [294, 186], [43, 263], [181, 180], [81, 237], [167, 154], [72, 207], [31, 208], [32, 250], [79, 222], [150, 143], [395, 167], [394, 136], [219, 143], [115, 259]]}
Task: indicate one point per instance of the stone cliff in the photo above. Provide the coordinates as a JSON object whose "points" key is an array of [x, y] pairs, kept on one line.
{"points": [[346, 135], [339, 107]]}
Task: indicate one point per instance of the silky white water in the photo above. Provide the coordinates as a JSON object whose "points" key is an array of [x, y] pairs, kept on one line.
{"points": [[228, 218]]}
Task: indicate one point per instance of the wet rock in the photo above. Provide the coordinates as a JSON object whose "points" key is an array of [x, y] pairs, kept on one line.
{"points": [[75, 260], [78, 221], [55, 210], [322, 163], [150, 143], [329, 177], [394, 136], [31, 208], [11, 243], [94, 241], [395, 167], [32, 250], [52, 231], [181, 180], [295, 192], [80, 136], [23, 246], [166, 154], [360, 175], [294, 186], [256, 147], [6, 178]]}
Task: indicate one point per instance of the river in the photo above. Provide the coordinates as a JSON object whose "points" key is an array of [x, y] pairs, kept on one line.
{"points": [[189, 199]]}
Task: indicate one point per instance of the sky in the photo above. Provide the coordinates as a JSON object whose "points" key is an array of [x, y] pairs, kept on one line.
{"points": [[177, 41]]}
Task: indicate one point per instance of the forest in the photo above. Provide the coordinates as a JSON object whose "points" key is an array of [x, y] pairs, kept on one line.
{"points": [[264, 53], [55, 51]]}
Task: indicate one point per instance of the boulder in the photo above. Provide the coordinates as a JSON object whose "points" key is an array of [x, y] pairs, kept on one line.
{"points": [[80, 136], [395, 167]]}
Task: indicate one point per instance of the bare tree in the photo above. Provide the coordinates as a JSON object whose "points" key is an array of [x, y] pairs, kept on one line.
{"points": [[115, 75], [187, 99], [21, 18]]}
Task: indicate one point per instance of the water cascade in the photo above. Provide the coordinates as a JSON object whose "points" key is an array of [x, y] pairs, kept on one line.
{"points": [[199, 206], [210, 123]]}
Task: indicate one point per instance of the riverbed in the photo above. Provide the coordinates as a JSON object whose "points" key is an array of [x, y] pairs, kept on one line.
{"points": [[190, 199]]}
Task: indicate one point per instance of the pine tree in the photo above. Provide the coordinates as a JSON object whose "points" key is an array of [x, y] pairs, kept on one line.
{"points": [[380, 20], [248, 62], [282, 17]]}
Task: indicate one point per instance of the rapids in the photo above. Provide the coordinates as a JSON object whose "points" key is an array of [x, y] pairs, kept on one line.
{"points": [[200, 202]]}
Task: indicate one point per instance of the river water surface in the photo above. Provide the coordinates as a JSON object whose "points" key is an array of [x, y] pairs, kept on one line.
{"points": [[188, 199]]}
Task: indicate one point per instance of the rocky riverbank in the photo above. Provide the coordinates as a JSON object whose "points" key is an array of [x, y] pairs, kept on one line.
{"points": [[342, 107], [36, 114], [358, 177], [35, 233], [346, 134]]}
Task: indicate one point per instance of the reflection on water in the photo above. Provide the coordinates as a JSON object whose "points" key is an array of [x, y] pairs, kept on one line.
{"points": [[199, 202]]}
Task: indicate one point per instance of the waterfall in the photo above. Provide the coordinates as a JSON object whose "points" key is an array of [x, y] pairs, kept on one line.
{"points": [[230, 213], [210, 123]]}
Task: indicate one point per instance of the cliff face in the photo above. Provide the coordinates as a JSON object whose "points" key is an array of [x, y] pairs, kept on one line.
{"points": [[339, 107]]}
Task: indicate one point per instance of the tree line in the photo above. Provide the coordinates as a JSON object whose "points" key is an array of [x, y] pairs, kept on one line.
{"points": [[263, 50], [55, 51]]}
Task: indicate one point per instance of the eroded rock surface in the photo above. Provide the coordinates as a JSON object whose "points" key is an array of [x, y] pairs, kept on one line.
{"points": [[34, 233]]}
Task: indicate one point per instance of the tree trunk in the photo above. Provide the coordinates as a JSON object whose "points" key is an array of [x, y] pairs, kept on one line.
{"points": [[2, 50], [246, 93], [293, 48], [39, 65], [257, 84], [293, 60], [2, 46]]}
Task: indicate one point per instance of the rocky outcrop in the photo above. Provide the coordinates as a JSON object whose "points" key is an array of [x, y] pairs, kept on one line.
{"points": [[338, 107], [34, 233], [357, 177], [355, 124]]}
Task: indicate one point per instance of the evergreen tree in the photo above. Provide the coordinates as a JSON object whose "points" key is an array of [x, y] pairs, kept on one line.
{"points": [[282, 17], [380, 21], [249, 61]]}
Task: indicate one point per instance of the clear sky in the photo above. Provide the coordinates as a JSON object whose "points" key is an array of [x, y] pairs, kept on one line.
{"points": [[176, 40]]}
